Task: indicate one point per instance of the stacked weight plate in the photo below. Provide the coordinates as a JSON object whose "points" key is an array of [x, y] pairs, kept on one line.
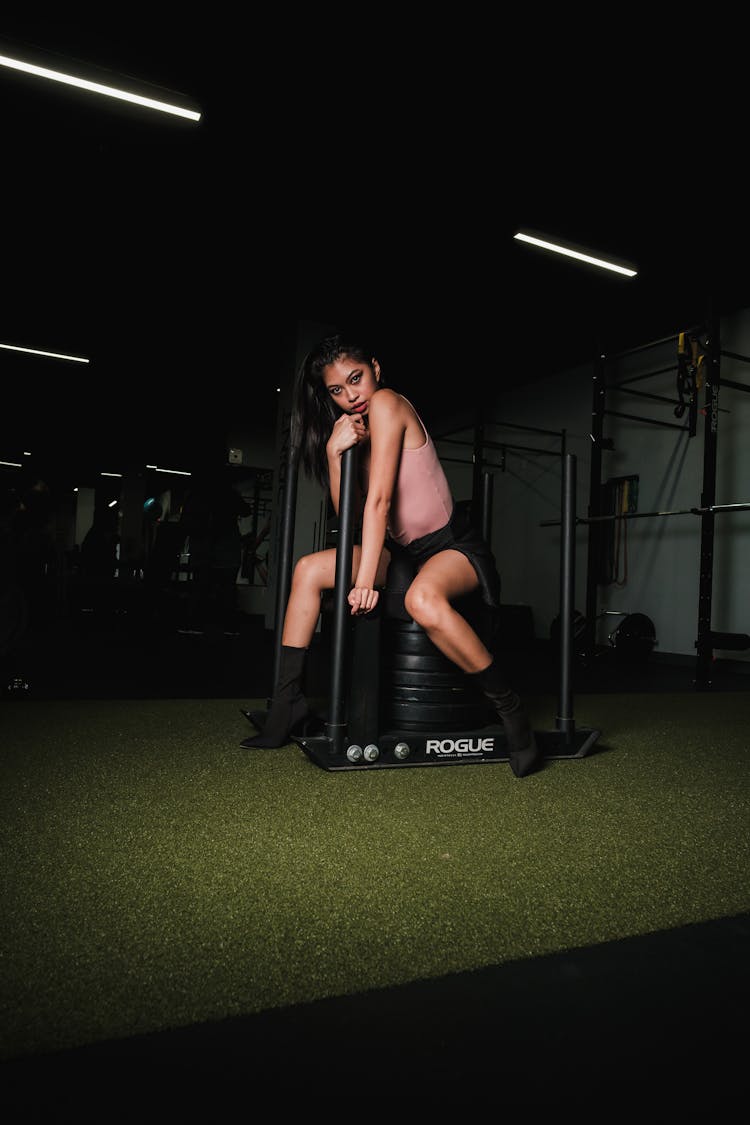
{"points": [[422, 689]]}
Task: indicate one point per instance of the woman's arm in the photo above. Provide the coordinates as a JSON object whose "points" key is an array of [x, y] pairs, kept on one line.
{"points": [[388, 420]]}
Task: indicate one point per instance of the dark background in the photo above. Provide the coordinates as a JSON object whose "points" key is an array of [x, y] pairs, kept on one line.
{"points": [[368, 175]]}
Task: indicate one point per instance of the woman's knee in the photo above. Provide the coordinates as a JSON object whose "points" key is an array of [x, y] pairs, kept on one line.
{"points": [[424, 604], [312, 571]]}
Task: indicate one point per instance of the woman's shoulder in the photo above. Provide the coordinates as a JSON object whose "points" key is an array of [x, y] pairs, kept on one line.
{"points": [[392, 412], [390, 403]]}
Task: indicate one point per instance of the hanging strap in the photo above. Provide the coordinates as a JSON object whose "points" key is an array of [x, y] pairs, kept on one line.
{"points": [[691, 371], [621, 535]]}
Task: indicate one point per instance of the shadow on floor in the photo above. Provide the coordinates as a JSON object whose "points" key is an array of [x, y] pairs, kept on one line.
{"points": [[644, 1022]]}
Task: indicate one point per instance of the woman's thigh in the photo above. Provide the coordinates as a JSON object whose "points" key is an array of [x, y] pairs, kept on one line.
{"points": [[448, 574], [322, 567]]}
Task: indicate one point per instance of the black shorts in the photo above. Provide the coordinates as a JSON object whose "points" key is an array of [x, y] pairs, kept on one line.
{"points": [[459, 534]]}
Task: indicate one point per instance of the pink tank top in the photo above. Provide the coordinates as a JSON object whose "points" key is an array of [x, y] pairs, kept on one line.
{"points": [[422, 500]]}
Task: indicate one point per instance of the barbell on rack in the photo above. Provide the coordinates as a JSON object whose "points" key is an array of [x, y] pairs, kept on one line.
{"points": [[642, 641], [709, 509]]}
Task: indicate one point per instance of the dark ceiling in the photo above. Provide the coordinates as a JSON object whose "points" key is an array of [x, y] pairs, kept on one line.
{"points": [[378, 186]]}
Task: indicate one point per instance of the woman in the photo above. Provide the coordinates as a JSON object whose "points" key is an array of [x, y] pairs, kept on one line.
{"points": [[339, 402]]}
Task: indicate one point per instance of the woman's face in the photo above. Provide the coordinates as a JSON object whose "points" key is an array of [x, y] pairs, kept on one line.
{"points": [[352, 384]]}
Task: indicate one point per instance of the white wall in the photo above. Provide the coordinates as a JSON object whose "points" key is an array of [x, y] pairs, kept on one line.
{"points": [[663, 554]]}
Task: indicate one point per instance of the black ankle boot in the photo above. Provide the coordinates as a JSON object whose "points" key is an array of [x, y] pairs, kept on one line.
{"points": [[288, 707], [523, 753]]}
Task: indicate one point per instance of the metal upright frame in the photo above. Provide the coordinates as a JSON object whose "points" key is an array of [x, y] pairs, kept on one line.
{"points": [[707, 640], [704, 640]]}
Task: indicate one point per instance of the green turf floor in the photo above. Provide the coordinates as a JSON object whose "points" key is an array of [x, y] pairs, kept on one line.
{"points": [[156, 875]]}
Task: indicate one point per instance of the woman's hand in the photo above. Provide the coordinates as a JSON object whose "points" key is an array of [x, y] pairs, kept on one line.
{"points": [[348, 430], [362, 599]]}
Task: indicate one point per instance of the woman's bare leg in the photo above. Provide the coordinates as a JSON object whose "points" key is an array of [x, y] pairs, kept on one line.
{"points": [[449, 575], [312, 575], [444, 577]]}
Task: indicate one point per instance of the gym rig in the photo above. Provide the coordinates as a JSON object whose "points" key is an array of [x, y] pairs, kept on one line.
{"points": [[699, 355]]}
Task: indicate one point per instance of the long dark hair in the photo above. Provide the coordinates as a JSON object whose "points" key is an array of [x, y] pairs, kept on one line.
{"points": [[313, 410]]}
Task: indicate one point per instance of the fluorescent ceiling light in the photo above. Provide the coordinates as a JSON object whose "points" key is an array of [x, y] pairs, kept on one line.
{"points": [[97, 87], [12, 464], [177, 472], [50, 355], [110, 474], [569, 252]]}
